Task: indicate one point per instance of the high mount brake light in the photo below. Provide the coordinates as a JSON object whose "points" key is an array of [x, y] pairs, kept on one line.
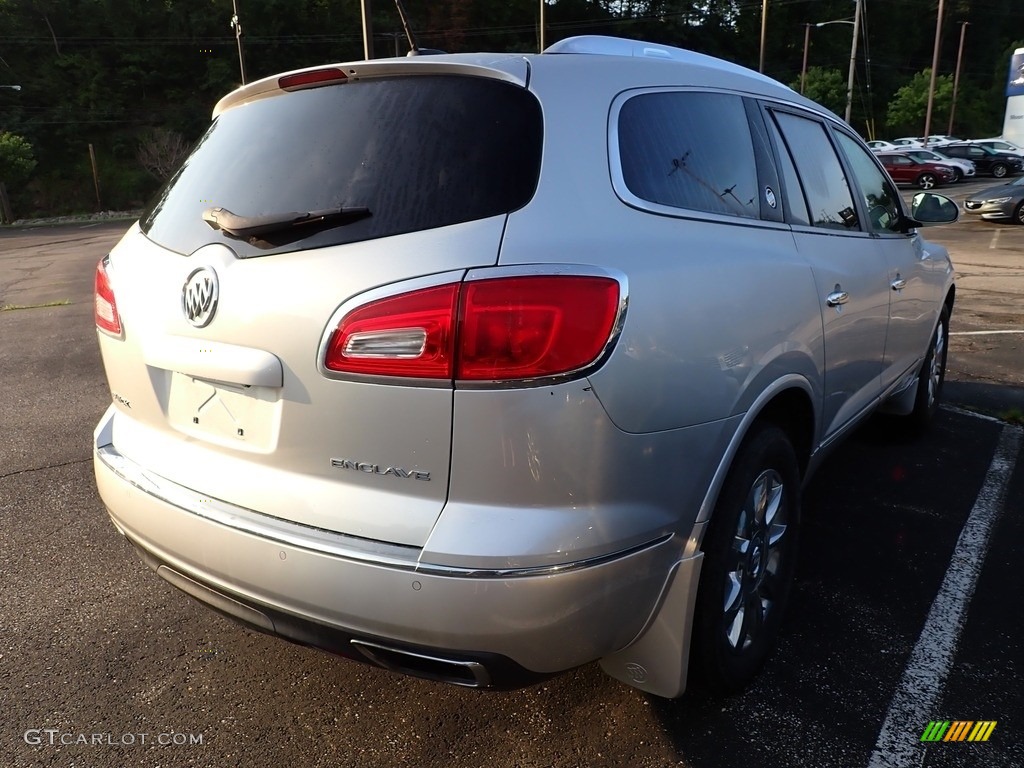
{"points": [[104, 305], [312, 79], [499, 329]]}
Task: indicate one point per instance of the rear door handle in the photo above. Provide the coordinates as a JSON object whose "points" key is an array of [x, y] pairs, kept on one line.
{"points": [[836, 298], [899, 283]]}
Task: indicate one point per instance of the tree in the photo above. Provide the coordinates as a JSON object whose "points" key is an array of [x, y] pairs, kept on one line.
{"points": [[161, 152], [16, 159], [825, 86], [909, 104]]}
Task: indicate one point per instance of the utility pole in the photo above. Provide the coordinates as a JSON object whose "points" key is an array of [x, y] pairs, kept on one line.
{"points": [[853, 61], [367, 29], [956, 77], [803, 69], [543, 23], [931, 84], [237, 26], [764, 33]]}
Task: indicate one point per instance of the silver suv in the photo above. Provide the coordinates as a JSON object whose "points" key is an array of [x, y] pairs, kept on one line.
{"points": [[483, 367]]}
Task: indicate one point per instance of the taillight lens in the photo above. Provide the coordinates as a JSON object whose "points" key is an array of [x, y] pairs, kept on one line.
{"points": [[526, 327], [499, 329], [105, 307], [405, 335]]}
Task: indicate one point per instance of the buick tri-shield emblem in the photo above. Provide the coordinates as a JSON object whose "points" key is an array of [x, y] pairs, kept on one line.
{"points": [[199, 296]]}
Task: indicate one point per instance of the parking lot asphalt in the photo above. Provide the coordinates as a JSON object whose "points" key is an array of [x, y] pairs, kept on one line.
{"points": [[93, 646]]}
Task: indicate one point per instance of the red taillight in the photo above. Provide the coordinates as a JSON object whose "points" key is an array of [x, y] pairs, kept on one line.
{"points": [[526, 327], [485, 330], [105, 307], [405, 335], [312, 78]]}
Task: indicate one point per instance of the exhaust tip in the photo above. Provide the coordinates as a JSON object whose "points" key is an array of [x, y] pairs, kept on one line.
{"points": [[469, 674]]}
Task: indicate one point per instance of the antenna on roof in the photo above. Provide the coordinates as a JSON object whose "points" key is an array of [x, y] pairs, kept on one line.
{"points": [[414, 50]]}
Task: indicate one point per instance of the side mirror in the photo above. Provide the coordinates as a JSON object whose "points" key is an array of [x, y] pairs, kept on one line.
{"points": [[929, 209]]}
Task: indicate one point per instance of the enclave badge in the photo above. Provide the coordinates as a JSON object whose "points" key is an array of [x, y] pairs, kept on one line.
{"points": [[199, 296]]}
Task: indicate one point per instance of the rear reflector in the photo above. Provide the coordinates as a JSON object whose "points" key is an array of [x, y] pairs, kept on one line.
{"points": [[500, 329], [105, 307], [312, 79]]}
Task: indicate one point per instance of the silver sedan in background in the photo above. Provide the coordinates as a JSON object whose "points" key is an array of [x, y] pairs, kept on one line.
{"points": [[1004, 202]]}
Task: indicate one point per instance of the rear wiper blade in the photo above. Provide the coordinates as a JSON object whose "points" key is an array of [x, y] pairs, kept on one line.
{"points": [[246, 227]]}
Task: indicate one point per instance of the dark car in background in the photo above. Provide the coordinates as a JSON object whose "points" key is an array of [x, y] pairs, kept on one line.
{"points": [[905, 169], [987, 161], [1004, 202]]}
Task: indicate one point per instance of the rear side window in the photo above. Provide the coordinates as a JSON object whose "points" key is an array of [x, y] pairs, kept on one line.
{"points": [[689, 150], [829, 200], [418, 152]]}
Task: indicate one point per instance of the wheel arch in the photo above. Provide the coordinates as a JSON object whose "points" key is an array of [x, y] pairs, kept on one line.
{"points": [[657, 661], [789, 405]]}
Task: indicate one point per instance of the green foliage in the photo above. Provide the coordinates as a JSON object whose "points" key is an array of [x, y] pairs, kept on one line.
{"points": [[16, 159], [825, 86], [909, 105]]}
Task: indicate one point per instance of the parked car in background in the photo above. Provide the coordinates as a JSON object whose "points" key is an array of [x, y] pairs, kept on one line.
{"points": [[988, 162], [482, 367], [907, 141], [1004, 202], [999, 145], [880, 146], [938, 139], [905, 169], [962, 169]]}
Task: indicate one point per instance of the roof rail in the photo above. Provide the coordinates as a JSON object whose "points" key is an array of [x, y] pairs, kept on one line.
{"points": [[620, 46]]}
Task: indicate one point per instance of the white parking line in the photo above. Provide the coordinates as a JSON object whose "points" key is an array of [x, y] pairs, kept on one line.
{"points": [[984, 333], [995, 239], [915, 700]]}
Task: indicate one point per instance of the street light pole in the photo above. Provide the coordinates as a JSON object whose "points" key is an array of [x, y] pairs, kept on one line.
{"points": [[853, 53], [956, 77]]}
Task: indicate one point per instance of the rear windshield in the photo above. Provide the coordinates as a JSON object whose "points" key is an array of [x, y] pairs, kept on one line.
{"points": [[418, 152]]}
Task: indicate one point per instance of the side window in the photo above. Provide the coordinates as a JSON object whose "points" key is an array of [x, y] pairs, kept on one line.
{"points": [[689, 150], [880, 198], [821, 175], [796, 206]]}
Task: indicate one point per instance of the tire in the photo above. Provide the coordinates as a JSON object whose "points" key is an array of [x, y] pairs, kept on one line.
{"points": [[927, 181], [932, 375], [999, 170], [1018, 213], [749, 563], [958, 175]]}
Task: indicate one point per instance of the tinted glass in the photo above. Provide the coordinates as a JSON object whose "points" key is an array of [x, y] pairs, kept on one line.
{"points": [[419, 152], [689, 150], [827, 192], [880, 197], [796, 206]]}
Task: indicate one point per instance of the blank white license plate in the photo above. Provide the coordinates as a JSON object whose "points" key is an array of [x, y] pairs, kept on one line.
{"points": [[233, 415]]}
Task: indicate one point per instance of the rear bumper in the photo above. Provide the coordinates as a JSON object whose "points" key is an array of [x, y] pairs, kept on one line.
{"points": [[381, 603]]}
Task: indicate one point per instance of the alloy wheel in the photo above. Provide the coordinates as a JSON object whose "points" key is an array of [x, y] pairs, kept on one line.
{"points": [[755, 560]]}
